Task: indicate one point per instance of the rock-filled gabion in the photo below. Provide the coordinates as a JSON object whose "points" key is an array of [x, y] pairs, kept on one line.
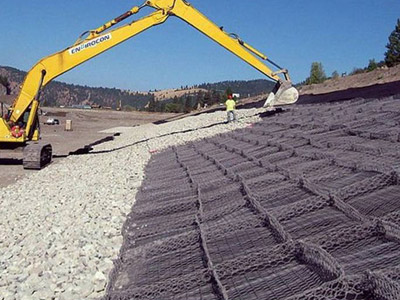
{"points": [[303, 205]]}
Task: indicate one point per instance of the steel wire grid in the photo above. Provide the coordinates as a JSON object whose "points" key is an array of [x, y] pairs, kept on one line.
{"points": [[304, 205]]}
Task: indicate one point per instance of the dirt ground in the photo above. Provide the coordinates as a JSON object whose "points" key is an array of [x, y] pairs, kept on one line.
{"points": [[87, 128]]}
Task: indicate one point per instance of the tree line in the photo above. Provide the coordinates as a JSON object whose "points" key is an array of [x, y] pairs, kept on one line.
{"points": [[6, 84], [392, 58], [63, 94], [189, 102]]}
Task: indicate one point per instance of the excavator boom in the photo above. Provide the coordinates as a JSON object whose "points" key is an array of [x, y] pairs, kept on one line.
{"points": [[22, 124]]}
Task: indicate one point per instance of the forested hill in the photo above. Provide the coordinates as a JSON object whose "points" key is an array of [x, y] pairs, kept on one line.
{"points": [[245, 88], [58, 93]]}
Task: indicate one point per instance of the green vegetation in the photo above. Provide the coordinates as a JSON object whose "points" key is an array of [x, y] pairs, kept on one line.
{"points": [[392, 58], [186, 103], [59, 93], [392, 55], [335, 75], [356, 71], [4, 82], [317, 74], [216, 93], [227, 93], [372, 65]]}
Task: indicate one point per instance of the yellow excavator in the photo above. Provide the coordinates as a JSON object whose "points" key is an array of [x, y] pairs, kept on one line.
{"points": [[20, 126]]}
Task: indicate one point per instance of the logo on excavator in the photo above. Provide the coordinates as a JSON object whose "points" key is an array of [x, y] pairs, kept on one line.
{"points": [[90, 44]]}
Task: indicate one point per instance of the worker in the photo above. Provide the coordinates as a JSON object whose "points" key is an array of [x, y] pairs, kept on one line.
{"points": [[230, 108]]}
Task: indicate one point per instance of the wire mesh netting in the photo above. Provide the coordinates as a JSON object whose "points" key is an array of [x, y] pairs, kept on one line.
{"points": [[304, 205]]}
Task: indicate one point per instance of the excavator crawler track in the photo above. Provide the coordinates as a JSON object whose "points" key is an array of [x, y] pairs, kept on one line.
{"points": [[37, 155]]}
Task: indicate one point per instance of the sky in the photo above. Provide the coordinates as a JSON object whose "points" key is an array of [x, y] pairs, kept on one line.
{"points": [[341, 34]]}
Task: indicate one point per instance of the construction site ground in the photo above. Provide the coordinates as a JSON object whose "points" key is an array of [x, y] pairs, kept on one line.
{"points": [[88, 127]]}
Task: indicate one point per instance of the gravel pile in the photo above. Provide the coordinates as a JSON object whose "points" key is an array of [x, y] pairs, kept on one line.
{"points": [[60, 227]]}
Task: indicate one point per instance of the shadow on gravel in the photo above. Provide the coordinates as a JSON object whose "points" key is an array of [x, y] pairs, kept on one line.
{"points": [[88, 149], [149, 139], [10, 161]]}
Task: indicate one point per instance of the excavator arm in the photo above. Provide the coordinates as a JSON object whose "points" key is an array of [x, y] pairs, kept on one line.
{"points": [[22, 125]]}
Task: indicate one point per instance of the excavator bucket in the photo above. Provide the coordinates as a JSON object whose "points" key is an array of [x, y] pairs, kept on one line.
{"points": [[283, 94]]}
